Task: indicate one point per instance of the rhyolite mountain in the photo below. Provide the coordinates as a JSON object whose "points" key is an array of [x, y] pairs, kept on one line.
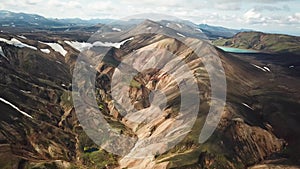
{"points": [[40, 129]]}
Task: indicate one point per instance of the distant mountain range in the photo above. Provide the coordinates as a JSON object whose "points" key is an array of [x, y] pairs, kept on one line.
{"points": [[34, 21], [218, 31], [11, 19]]}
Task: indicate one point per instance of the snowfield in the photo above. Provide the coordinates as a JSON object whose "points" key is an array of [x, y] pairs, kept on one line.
{"points": [[179, 34], [56, 47], [116, 29], [14, 107], [112, 44], [17, 43], [47, 51], [258, 67], [246, 105], [2, 54], [80, 46]]}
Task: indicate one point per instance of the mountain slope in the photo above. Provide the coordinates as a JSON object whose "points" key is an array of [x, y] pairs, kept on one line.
{"points": [[11, 19], [218, 31], [261, 41], [259, 123], [250, 130]]}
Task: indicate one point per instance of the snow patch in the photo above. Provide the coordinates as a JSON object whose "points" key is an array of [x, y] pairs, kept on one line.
{"points": [[246, 105], [179, 34], [177, 24], [161, 26], [199, 30], [17, 43], [258, 67], [112, 44], [117, 29], [2, 54], [24, 91], [149, 28], [56, 47], [21, 36], [291, 66], [266, 68], [47, 51], [80, 46], [15, 107]]}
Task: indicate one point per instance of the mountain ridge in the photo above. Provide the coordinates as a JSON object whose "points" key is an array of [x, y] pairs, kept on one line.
{"points": [[39, 22], [277, 43]]}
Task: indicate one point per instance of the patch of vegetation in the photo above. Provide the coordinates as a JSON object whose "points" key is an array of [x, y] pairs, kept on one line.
{"points": [[183, 159], [101, 106], [84, 140], [99, 159], [135, 84], [51, 165], [66, 99]]}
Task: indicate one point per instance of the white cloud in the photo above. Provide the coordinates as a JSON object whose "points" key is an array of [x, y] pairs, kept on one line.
{"points": [[272, 8], [228, 6], [294, 18], [252, 14]]}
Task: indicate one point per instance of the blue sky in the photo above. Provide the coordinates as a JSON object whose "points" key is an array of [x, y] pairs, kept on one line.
{"points": [[281, 16]]}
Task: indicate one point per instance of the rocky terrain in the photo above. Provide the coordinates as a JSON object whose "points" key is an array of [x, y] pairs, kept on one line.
{"points": [[259, 127]]}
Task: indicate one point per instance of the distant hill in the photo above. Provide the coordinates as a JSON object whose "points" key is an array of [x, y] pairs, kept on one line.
{"points": [[276, 43], [218, 31], [78, 21], [12, 19]]}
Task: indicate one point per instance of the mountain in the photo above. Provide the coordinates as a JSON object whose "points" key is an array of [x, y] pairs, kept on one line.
{"points": [[40, 127], [90, 22], [262, 41], [148, 26], [218, 31], [11, 19], [23, 19], [32, 22]]}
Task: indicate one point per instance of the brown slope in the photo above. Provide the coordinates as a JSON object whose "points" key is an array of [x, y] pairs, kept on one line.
{"points": [[246, 84]]}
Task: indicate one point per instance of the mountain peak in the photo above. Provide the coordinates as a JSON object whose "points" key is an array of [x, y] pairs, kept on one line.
{"points": [[149, 22]]}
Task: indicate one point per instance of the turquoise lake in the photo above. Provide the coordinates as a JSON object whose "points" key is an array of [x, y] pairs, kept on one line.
{"points": [[237, 50]]}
